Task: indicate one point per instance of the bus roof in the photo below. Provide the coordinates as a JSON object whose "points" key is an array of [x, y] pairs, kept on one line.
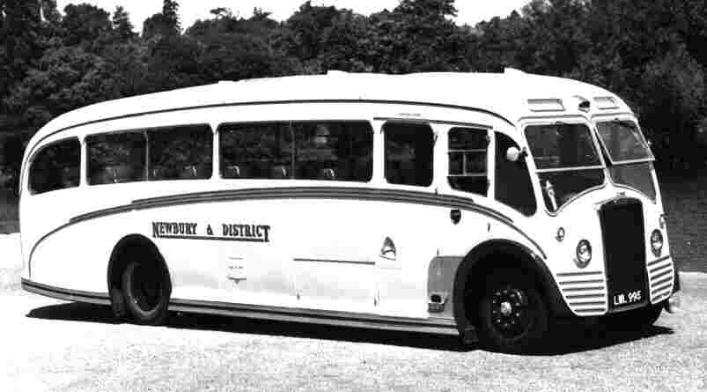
{"points": [[510, 95]]}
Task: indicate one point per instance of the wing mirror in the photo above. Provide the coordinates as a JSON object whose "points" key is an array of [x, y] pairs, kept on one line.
{"points": [[513, 154]]}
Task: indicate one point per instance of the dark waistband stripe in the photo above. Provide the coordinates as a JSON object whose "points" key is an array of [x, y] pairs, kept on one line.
{"points": [[332, 193]]}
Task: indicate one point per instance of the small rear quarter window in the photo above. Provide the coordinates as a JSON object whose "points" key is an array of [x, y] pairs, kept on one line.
{"points": [[56, 166]]}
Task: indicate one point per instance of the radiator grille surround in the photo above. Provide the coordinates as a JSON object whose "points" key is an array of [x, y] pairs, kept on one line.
{"points": [[623, 235]]}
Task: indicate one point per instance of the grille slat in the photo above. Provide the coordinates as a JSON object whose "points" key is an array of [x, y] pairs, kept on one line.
{"points": [[585, 292], [573, 289], [660, 268], [578, 296], [660, 272], [573, 282], [580, 304]]}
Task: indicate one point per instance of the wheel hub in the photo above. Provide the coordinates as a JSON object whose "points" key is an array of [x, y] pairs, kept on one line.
{"points": [[506, 308], [509, 313]]}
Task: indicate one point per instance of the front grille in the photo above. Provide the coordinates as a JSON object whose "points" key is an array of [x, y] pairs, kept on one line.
{"points": [[660, 274], [585, 292], [624, 252]]}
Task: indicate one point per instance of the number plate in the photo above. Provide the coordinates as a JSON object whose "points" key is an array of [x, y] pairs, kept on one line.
{"points": [[627, 298]]}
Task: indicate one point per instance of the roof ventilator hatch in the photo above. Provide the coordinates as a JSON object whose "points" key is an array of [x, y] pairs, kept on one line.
{"points": [[606, 103], [546, 105]]}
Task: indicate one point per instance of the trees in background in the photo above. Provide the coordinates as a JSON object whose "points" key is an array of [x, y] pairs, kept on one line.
{"points": [[652, 52]]}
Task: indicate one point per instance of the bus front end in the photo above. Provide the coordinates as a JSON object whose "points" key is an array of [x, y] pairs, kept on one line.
{"points": [[604, 225]]}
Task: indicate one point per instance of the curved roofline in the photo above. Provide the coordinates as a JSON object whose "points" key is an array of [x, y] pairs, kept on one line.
{"points": [[503, 95]]}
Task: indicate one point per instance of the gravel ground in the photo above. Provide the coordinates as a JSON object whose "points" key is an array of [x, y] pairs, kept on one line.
{"points": [[52, 345]]}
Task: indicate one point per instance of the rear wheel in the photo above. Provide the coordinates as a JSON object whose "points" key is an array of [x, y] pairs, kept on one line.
{"points": [[146, 289], [511, 313]]}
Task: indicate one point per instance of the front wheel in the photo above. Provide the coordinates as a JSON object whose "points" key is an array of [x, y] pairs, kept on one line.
{"points": [[146, 288], [512, 314]]}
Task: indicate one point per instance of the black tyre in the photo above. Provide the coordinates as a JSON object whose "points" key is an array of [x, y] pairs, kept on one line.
{"points": [[633, 320], [512, 316], [147, 289]]}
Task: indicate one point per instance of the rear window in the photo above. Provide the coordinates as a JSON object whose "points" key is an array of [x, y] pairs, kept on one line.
{"points": [[56, 166]]}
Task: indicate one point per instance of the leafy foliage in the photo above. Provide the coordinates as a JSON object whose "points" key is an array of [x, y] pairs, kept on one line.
{"points": [[651, 52]]}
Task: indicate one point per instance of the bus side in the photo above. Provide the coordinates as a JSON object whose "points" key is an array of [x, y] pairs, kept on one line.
{"points": [[357, 227]]}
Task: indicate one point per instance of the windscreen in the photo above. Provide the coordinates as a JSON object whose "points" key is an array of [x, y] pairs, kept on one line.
{"points": [[623, 141], [566, 159], [630, 155]]}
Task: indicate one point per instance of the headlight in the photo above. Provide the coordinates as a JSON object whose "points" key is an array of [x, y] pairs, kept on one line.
{"points": [[584, 254], [656, 242]]}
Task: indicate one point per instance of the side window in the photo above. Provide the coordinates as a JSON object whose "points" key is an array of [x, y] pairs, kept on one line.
{"points": [[468, 156], [309, 150], [258, 150], [512, 182], [116, 157], [56, 166], [408, 153], [182, 152], [340, 151]]}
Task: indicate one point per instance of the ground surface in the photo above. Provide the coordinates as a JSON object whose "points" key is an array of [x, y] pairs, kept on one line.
{"points": [[685, 204], [51, 345]]}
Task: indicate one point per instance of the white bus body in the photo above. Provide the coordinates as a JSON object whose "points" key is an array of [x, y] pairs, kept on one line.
{"points": [[412, 255]]}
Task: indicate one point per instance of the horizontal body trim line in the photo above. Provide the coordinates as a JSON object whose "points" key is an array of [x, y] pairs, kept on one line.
{"points": [[430, 121], [336, 193], [315, 316], [65, 294], [287, 193], [656, 261], [364, 262]]}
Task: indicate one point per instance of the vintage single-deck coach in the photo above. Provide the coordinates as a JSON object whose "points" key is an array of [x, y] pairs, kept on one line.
{"points": [[442, 202]]}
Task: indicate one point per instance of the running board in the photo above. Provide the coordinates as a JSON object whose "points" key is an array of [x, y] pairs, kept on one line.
{"points": [[311, 316]]}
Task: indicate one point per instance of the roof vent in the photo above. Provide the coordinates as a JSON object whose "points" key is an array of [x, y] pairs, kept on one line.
{"points": [[546, 105], [334, 72], [606, 103]]}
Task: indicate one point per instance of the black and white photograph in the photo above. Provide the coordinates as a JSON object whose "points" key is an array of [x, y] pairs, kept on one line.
{"points": [[353, 195]]}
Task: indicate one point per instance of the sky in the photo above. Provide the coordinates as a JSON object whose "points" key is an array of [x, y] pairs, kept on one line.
{"points": [[469, 11]]}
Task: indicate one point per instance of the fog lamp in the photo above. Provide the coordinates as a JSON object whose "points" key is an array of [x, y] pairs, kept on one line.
{"points": [[656, 242], [584, 254]]}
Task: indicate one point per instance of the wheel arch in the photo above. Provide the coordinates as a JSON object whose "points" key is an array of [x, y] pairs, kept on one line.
{"points": [[483, 258], [123, 250]]}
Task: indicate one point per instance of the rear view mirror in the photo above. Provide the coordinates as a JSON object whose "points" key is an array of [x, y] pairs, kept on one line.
{"points": [[513, 154]]}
